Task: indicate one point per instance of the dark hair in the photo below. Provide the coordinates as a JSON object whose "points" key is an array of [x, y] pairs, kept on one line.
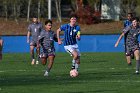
{"points": [[48, 21], [73, 15], [34, 16], [130, 14], [135, 18]]}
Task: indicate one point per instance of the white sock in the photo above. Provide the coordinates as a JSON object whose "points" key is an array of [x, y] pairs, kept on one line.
{"points": [[76, 66], [73, 64]]}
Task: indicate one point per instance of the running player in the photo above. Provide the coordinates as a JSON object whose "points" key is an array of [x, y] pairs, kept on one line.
{"points": [[34, 30], [46, 40], [128, 22], [1, 45], [132, 44], [71, 35]]}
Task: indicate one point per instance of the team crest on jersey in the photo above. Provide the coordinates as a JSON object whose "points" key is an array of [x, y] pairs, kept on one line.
{"points": [[74, 30]]}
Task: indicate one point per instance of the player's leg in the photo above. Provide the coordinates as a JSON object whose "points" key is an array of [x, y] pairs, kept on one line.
{"points": [[137, 57], [1, 45], [50, 64], [128, 59], [128, 55], [32, 54], [51, 56], [77, 60], [72, 52], [43, 60], [44, 56], [37, 55]]}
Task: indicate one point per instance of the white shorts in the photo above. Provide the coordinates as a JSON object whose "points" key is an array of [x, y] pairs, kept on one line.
{"points": [[71, 48]]}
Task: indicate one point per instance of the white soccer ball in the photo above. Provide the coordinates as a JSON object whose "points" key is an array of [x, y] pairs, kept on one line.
{"points": [[74, 73]]}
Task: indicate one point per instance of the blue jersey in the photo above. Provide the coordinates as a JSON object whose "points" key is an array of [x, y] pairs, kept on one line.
{"points": [[127, 23], [70, 33]]}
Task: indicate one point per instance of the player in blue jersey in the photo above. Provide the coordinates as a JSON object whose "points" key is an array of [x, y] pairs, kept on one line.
{"points": [[46, 41], [132, 43], [71, 35], [34, 30], [1, 45], [128, 22]]}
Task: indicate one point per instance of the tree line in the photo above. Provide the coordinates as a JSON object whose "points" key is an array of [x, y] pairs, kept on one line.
{"points": [[17, 9]]}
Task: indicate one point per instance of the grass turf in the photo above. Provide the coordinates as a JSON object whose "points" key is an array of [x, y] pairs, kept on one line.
{"points": [[99, 73]]}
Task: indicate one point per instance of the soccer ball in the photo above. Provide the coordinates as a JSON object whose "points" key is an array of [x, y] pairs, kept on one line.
{"points": [[74, 73]]}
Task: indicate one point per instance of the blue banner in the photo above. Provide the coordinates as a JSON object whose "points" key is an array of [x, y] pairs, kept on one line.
{"points": [[88, 43]]}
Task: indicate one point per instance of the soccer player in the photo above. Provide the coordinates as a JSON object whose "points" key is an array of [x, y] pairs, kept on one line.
{"points": [[46, 41], [128, 22], [34, 30], [71, 35], [132, 45], [1, 45]]}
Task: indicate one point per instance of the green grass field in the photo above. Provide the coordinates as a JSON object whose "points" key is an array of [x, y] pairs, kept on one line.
{"points": [[99, 73]]}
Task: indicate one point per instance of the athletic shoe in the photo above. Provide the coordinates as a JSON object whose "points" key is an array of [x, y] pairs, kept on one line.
{"points": [[37, 62], [137, 72], [46, 74], [33, 62]]}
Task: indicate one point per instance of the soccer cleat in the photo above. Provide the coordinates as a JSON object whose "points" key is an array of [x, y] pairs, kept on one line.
{"points": [[33, 62], [37, 62], [46, 74], [137, 72]]}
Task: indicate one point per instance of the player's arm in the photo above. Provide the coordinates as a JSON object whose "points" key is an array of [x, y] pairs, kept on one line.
{"points": [[1, 44], [40, 39], [28, 36], [119, 39], [58, 36], [78, 35]]}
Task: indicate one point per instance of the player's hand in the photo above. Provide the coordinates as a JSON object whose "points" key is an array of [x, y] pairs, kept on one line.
{"points": [[78, 37], [59, 41], [116, 45], [28, 40]]}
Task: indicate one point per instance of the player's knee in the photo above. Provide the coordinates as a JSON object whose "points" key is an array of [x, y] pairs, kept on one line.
{"points": [[44, 61]]}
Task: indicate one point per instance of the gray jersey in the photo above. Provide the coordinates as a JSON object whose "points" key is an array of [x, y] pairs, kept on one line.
{"points": [[47, 39], [132, 36], [35, 29], [0, 38]]}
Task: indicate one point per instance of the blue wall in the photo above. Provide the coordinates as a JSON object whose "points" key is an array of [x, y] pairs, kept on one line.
{"points": [[88, 43]]}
